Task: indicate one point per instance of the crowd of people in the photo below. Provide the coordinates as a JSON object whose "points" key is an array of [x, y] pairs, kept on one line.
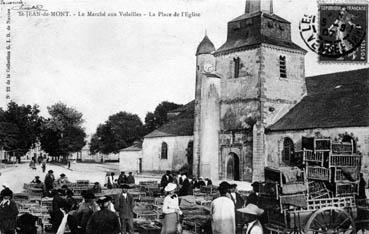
{"points": [[230, 213], [91, 216], [40, 160], [184, 183], [111, 182]]}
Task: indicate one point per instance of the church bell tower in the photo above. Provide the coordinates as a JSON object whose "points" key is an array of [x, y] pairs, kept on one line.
{"points": [[262, 77]]}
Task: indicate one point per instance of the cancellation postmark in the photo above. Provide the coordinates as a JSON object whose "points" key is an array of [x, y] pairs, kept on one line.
{"points": [[338, 33]]}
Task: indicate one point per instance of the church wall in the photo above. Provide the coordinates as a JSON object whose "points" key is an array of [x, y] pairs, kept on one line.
{"points": [[239, 95], [280, 94], [274, 143], [246, 85], [177, 146]]}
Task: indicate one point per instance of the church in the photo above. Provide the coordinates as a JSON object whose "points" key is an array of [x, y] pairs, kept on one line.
{"points": [[254, 107]]}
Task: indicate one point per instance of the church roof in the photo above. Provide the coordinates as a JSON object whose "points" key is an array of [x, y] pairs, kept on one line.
{"points": [[333, 100], [267, 15], [137, 146], [181, 125], [255, 41], [205, 46], [248, 31]]}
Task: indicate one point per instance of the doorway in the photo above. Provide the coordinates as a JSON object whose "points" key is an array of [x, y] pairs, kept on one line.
{"points": [[233, 167]]}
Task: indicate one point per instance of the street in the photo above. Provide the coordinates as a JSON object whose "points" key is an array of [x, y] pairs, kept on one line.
{"points": [[16, 176]]}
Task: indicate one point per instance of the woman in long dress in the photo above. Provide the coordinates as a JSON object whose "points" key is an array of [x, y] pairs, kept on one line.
{"points": [[171, 210]]}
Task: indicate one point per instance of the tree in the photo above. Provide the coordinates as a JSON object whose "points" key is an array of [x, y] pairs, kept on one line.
{"points": [[159, 117], [118, 132], [62, 132], [20, 127]]}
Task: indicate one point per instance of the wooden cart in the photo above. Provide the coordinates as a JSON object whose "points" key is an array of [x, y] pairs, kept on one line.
{"points": [[323, 199]]}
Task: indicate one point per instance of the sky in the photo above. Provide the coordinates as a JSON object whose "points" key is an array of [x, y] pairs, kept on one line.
{"points": [[101, 65]]}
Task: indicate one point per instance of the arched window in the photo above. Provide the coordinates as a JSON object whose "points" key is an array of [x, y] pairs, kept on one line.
{"points": [[236, 67], [288, 151], [164, 150]]}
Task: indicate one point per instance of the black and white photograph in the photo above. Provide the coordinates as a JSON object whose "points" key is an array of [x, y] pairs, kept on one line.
{"points": [[184, 117]]}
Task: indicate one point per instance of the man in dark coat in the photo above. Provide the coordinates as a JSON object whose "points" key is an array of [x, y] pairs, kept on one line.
{"points": [[8, 212], [239, 202], [362, 186], [122, 179], [26, 224], [103, 221], [124, 206], [49, 182], [86, 208], [130, 178], [165, 179], [57, 203], [186, 188]]}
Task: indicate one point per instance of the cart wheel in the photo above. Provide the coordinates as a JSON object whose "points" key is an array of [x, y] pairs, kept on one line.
{"points": [[330, 220]]}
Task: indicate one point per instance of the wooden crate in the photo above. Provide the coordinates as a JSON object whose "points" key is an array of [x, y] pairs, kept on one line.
{"points": [[342, 148], [310, 157], [339, 202], [317, 173], [345, 160], [340, 177], [147, 214], [346, 189]]}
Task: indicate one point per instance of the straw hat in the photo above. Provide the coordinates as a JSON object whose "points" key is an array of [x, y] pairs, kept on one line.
{"points": [[251, 209], [170, 187]]}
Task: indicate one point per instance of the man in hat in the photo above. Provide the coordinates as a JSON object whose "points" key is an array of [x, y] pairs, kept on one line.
{"points": [[130, 178], [6, 190], [63, 180], [252, 213], [8, 212], [86, 208], [124, 207], [253, 196], [36, 180], [186, 188], [103, 221], [165, 179], [49, 182], [222, 212], [122, 179], [199, 183], [57, 202], [26, 224]]}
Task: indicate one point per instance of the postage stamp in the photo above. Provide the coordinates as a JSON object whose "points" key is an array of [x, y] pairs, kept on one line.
{"points": [[338, 33]]}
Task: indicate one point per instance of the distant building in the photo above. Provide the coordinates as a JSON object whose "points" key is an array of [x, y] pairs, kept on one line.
{"points": [[130, 158], [170, 146], [85, 156]]}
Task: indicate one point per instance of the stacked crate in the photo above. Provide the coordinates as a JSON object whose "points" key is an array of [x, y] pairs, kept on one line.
{"points": [[335, 164]]}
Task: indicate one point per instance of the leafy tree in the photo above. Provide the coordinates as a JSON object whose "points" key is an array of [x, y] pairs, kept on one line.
{"points": [[63, 117], [63, 133], [159, 117], [118, 132], [150, 122], [20, 127], [103, 140]]}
